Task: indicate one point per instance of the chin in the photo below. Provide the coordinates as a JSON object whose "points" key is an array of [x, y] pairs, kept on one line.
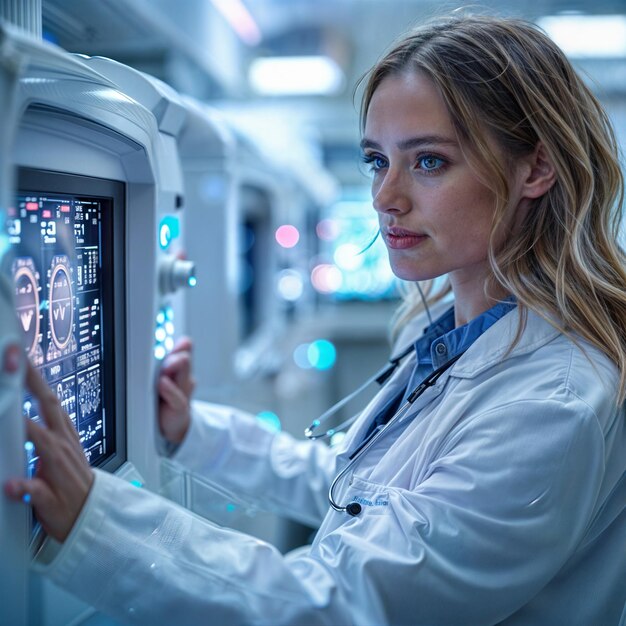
{"points": [[412, 274]]}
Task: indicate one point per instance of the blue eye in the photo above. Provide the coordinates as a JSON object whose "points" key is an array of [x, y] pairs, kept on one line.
{"points": [[375, 161], [430, 163]]}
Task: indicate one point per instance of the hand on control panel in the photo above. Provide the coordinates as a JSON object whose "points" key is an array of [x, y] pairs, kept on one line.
{"points": [[175, 385], [63, 478]]}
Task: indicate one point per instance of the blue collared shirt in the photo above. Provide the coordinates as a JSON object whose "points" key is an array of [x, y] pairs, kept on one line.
{"points": [[441, 342]]}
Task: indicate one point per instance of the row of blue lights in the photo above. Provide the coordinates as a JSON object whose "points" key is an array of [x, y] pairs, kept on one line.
{"points": [[169, 229], [164, 332]]}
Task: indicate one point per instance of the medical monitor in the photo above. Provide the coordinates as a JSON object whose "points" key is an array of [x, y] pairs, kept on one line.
{"points": [[67, 238]]}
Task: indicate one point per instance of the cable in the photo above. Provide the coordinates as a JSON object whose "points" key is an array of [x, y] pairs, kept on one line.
{"points": [[426, 308]]}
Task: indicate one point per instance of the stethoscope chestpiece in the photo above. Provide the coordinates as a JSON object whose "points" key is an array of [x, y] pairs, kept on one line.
{"points": [[353, 509]]}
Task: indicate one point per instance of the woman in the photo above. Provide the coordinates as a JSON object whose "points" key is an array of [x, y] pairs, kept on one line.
{"points": [[498, 494]]}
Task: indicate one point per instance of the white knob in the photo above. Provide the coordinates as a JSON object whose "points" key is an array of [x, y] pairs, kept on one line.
{"points": [[176, 273]]}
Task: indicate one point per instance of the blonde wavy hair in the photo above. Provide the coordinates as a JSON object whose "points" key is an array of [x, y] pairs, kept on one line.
{"points": [[506, 84]]}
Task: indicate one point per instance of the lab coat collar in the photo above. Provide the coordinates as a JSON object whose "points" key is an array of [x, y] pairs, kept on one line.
{"points": [[488, 350], [492, 347]]}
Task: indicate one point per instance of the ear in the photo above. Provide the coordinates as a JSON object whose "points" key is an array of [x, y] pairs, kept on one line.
{"points": [[537, 173]]}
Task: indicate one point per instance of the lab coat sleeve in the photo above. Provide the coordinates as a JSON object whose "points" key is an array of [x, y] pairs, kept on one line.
{"points": [[148, 561], [275, 471], [492, 520]]}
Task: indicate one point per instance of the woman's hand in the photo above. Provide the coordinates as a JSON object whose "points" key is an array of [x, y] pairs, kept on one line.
{"points": [[63, 478], [175, 385]]}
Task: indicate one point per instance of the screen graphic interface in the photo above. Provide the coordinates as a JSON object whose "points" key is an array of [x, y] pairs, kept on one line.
{"points": [[61, 294]]}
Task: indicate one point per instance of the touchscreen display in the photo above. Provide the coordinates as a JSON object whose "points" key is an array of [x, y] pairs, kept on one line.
{"points": [[61, 295]]}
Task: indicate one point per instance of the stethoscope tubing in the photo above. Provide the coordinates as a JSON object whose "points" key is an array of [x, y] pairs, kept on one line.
{"points": [[354, 508], [356, 455], [380, 377]]}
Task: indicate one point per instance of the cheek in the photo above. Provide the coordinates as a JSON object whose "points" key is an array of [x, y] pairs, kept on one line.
{"points": [[467, 228], [473, 229]]}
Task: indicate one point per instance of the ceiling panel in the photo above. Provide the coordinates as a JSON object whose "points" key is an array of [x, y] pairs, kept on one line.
{"points": [[166, 38]]}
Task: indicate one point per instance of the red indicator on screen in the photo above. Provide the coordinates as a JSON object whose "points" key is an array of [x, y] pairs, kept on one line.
{"points": [[46, 214], [65, 208], [32, 206]]}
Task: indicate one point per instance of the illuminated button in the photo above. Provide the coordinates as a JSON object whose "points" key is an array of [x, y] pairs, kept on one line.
{"points": [[160, 334], [165, 236], [159, 352], [169, 229], [160, 317]]}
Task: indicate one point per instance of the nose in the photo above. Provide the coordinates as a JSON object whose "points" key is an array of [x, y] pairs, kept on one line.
{"points": [[391, 193]]}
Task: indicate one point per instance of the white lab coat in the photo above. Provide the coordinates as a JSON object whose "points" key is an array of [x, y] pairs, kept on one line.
{"points": [[499, 499]]}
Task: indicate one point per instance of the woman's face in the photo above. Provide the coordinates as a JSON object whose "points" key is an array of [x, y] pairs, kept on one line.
{"points": [[435, 215]]}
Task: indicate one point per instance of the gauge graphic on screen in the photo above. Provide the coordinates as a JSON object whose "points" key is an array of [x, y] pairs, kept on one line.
{"points": [[26, 281], [61, 300]]}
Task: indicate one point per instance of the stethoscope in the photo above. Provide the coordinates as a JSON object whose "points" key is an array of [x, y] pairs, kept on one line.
{"points": [[380, 377]]}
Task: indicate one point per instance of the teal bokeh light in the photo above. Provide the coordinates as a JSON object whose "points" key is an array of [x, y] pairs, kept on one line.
{"points": [[270, 421], [322, 354]]}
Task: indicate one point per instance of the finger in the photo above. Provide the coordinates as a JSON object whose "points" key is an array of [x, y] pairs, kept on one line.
{"points": [[36, 384], [183, 344], [49, 404], [38, 435], [50, 511], [172, 395], [15, 489], [177, 365], [48, 445], [32, 491]]}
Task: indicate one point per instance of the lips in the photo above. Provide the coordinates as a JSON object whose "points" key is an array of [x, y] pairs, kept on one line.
{"points": [[401, 239]]}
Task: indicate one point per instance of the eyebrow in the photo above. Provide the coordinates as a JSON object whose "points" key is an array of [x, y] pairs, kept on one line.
{"points": [[412, 142]]}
